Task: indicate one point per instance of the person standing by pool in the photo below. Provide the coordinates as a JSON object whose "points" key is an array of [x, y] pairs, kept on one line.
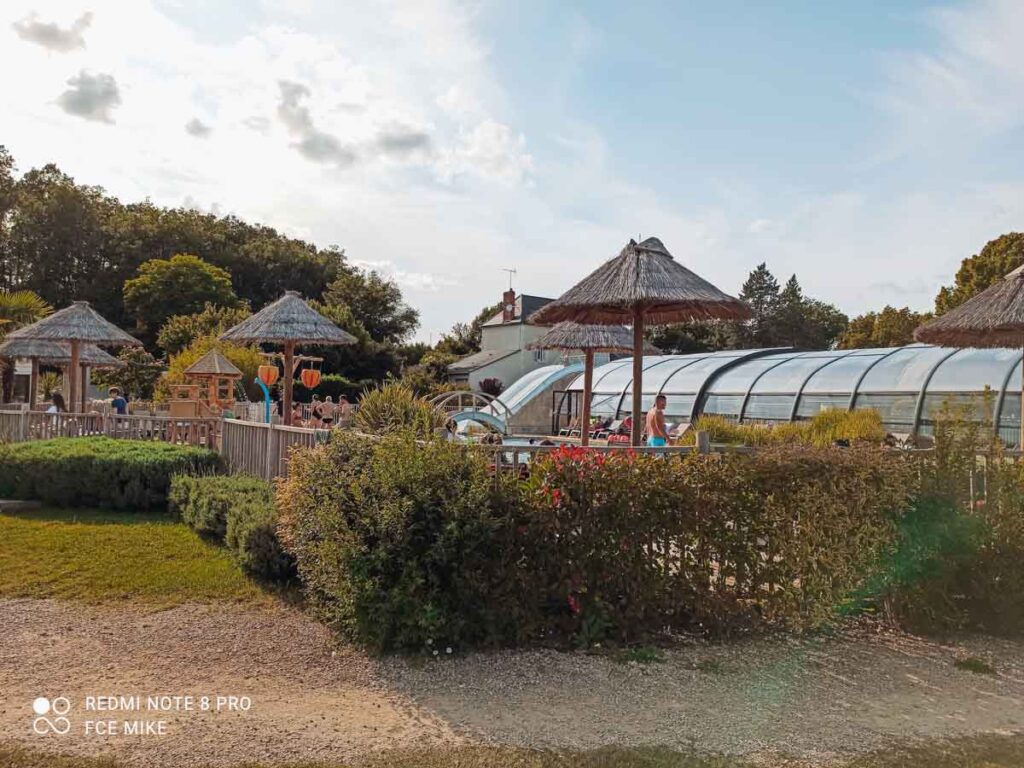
{"points": [[657, 435]]}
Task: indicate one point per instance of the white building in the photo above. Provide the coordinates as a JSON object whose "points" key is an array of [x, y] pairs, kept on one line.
{"points": [[503, 354]]}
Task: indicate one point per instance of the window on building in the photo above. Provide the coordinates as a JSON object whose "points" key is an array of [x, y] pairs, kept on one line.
{"points": [[538, 355]]}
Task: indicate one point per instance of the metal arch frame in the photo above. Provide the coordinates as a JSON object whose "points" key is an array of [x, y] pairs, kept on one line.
{"points": [[997, 417], [702, 392], [753, 383], [800, 392], [567, 392], [860, 379], [670, 358], [919, 405]]}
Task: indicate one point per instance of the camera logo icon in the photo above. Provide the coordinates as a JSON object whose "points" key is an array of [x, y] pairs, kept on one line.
{"points": [[51, 715]]}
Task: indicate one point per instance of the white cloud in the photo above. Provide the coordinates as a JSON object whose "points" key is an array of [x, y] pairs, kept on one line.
{"points": [[91, 96], [51, 35]]}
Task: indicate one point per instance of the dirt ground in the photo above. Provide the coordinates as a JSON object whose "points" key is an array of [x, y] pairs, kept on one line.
{"points": [[315, 699]]}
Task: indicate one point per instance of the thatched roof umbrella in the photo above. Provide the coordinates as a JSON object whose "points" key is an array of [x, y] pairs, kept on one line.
{"points": [[54, 353], [642, 285], [993, 318], [288, 321], [589, 339], [77, 324]]}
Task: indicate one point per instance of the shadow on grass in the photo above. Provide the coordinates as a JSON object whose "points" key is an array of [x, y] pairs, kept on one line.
{"points": [[90, 516]]}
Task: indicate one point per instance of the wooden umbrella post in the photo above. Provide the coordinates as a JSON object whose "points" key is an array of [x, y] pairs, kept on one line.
{"points": [[84, 377], [588, 385], [1020, 440], [33, 383], [289, 378], [73, 373], [638, 374]]}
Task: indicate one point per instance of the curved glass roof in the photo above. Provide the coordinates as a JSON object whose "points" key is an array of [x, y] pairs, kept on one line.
{"points": [[906, 385]]}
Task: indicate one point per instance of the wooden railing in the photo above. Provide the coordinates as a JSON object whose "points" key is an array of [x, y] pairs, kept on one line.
{"points": [[263, 450], [21, 426]]}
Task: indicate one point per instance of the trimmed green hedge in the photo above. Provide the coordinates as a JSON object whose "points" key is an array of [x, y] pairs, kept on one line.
{"points": [[98, 471], [237, 511], [399, 542]]}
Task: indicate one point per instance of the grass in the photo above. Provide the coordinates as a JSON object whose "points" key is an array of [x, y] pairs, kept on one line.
{"points": [[988, 751], [96, 556]]}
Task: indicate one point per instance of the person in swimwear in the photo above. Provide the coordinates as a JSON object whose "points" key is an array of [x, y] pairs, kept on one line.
{"points": [[657, 435]]}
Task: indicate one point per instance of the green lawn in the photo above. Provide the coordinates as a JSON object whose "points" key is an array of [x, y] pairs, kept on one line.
{"points": [[97, 557], [977, 752]]}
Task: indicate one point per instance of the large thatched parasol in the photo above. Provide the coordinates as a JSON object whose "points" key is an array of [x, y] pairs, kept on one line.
{"points": [[993, 318], [289, 321], [77, 324], [642, 285], [589, 339], [54, 353]]}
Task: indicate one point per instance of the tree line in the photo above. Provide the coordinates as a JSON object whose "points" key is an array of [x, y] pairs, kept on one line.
{"points": [[168, 275]]}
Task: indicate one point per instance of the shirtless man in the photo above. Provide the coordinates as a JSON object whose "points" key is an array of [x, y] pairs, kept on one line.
{"points": [[657, 435]]}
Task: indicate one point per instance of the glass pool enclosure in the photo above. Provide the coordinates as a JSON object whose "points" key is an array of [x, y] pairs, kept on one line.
{"points": [[905, 385]]}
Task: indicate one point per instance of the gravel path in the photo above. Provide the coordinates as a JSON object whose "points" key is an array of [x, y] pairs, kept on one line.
{"points": [[313, 699]]}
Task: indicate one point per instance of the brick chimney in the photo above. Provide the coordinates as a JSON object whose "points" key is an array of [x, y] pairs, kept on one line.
{"points": [[508, 306]]}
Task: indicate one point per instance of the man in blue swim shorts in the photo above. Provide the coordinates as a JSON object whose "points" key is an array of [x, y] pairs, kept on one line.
{"points": [[657, 435]]}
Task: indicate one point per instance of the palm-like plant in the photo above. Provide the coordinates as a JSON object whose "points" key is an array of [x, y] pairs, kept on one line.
{"points": [[18, 308]]}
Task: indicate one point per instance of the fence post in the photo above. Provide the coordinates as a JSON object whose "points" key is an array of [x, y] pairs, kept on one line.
{"points": [[703, 441], [268, 473]]}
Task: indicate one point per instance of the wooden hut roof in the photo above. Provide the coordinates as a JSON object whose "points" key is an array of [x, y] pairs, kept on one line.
{"points": [[288, 319], [645, 276], [599, 338], [213, 363], [77, 322]]}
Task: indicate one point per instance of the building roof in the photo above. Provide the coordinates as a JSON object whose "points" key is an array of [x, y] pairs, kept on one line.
{"points": [[213, 363], [525, 306], [479, 360]]}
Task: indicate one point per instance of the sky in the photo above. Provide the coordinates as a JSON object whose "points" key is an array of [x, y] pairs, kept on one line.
{"points": [[866, 146]]}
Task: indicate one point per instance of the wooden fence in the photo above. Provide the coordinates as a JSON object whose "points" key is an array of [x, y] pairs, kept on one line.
{"points": [[24, 425], [263, 450]]}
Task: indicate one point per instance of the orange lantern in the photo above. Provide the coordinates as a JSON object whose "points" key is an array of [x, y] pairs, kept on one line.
{"points": [[268, 374], [310, 377]]}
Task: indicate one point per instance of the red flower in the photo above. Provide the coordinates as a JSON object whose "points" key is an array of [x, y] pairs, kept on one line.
{"points": [[574, 605]]}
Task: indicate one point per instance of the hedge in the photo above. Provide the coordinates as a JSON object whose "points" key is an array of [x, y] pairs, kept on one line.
{"points": [[401, 544], [98, 471], [237, 511]]}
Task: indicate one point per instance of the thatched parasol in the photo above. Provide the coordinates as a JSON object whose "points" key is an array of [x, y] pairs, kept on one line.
{"points": [[589, 339], [993, 318], [642, 285], [54, 353], [213, 363], [288, 321], [77, 324]]}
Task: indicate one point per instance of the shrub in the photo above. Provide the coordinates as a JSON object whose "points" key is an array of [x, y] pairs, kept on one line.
{"points": [[399, 545], [822, 430], [336, 386], [630, 543], [98, 471], [237, 511], [203, 502], [399, 542], [966, 537], [392, 407], [491, 386]]}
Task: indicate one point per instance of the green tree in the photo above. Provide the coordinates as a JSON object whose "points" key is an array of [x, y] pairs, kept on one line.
{"points": [[978, 272], [181, 330], [805, 323], [761, 293], [17, 309], [465, 338], [376, 303], [889, 328], [137, 379], [686, 338], [181, 285]]}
